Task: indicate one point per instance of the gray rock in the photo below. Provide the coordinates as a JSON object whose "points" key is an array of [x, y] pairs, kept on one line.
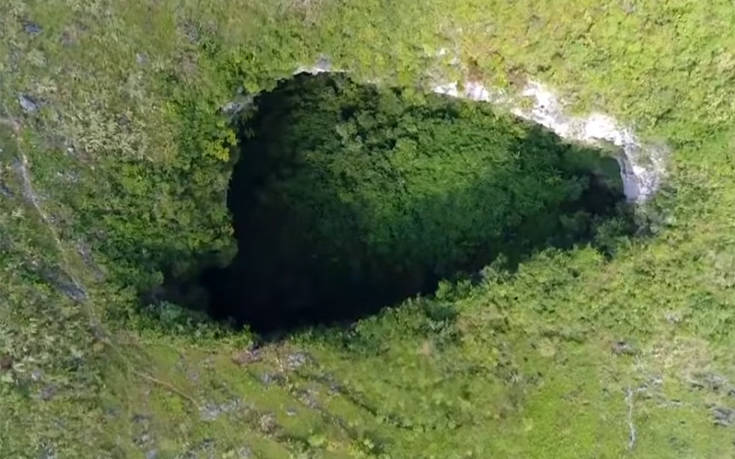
{"points": [[65, 284], [672, 318], [140, 419], [211, 411], [237, 105], [48, 392], [142, 436], [28, 103], [244, 452], [190, 31], [724, 417], [112, 412], [151, 454], [296, 360], [141, 58], [623, 348], [267, 423], [205, 449], [247, 356], [324, 62], [31, 28], [74, 292], [709, 381], [269, 378], [335, 387], [5, 191], [308, 398]]}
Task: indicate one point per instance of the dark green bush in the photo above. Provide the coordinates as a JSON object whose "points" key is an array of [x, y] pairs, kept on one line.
{"points": [[347, 196]]}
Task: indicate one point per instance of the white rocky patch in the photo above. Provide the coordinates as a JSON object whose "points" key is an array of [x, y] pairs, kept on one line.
{"points": [[642, 166], [322, 65]]}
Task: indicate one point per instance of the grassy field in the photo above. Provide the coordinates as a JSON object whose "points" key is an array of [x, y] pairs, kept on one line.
{"points": [[114, 163]]}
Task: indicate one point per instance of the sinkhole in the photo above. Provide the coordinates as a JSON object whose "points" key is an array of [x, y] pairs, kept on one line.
{"points": [[347, 198]]}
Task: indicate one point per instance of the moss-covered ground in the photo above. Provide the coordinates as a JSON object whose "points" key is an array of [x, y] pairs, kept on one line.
{"points": [[114, 163]]}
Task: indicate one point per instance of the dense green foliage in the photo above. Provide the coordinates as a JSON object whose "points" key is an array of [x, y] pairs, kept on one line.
{"points": [[116, 172], [349, 198]]}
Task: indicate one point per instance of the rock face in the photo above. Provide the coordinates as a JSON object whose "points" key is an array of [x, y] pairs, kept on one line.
{"points": [[722, 416], [322, 65], [642, 166], [27, 103]]}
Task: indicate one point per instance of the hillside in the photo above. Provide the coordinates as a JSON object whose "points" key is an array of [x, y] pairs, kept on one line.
{"points": [[479, 287]]}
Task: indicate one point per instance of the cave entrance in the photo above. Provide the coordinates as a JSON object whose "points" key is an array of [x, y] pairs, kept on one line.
{"points": [[347, 198]]}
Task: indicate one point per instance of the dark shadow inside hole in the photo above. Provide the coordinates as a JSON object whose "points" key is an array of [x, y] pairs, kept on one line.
{"points": [[347, 198]]}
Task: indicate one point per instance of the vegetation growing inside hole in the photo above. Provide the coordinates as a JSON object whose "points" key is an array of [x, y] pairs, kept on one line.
{"points": [[347, 198]]}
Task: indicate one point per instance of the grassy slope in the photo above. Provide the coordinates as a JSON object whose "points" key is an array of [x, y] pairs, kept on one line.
{"points": [[126, 152]]}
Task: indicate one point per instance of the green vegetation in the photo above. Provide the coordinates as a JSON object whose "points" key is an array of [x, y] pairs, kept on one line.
{"points": [[349, 198], [114, 163]]}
